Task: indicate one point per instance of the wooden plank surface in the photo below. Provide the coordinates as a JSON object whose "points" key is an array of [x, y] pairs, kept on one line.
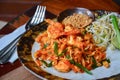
{"points": [[19, 74], [9, 9]]}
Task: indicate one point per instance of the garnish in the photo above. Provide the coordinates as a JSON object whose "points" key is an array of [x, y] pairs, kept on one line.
{"points": [[46, 64], [78, 64], [56, 48], [116, 40]]}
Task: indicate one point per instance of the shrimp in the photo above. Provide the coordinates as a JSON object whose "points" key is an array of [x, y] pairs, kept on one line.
{"points": [[75, 41], [40, 36], [62, 66], [69, 30], [55, 29], [106, 64]]}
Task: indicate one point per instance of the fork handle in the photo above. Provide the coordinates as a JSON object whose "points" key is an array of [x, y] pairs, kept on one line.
{"points": [[9, 46], [7, 56]]}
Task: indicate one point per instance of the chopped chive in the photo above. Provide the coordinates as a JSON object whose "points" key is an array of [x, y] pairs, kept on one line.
{"points": [[68, 56], [46, 64], [83, 68], [108, 60], [45, 45], [72, 61], [94, 63], [50, 64], [63, 52], [56, 48], [78, 65]]}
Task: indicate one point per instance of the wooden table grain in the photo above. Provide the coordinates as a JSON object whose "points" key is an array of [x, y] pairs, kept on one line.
{"points": [[14, 12]]}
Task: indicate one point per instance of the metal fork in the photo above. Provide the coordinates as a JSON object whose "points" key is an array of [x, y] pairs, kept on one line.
{"points": [[7, 51]]}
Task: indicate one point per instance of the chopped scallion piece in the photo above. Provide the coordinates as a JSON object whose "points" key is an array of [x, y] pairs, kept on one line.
{"points": [[94, 62], [56, 48], [46, 64], [78, 64], [83, 68], [63, 52], [45, 45]]}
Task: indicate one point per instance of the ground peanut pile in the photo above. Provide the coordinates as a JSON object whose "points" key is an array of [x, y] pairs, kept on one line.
{"points": [[77, 20]]}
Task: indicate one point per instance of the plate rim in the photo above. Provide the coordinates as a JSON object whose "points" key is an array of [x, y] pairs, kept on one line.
{"points": [[39, 76]]}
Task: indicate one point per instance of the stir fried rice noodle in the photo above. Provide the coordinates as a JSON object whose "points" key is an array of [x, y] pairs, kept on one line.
{"points": [[66, 47]]}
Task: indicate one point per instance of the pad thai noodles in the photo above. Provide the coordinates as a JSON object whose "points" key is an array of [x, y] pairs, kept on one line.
{"points": [[67, 48]]}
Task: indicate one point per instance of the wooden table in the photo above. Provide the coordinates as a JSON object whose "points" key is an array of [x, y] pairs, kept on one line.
{"points": [[18, 12]]}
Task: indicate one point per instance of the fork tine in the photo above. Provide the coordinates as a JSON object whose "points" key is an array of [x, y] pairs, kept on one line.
{"points": [[43, 13], [36, 12], [38, 15]]}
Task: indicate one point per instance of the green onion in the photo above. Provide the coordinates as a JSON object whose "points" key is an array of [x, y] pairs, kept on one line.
{"points": [[116, 40], [63, 52], [56, 48], [108, 60], [68, 57], [83, 68], [72, 61], [46, 64], [78, 64], [45, 45], [94, 63]]}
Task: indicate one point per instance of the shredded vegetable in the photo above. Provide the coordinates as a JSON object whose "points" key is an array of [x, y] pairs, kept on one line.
{"points": [[103, 30]]}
